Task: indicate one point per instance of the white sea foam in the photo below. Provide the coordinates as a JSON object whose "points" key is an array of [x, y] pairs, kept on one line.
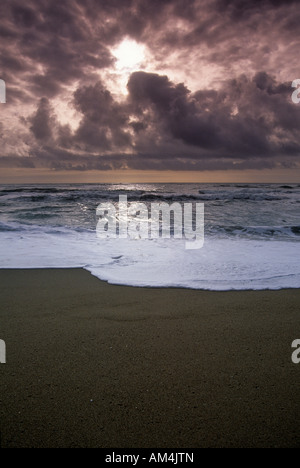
{"points": [[222, 264]]}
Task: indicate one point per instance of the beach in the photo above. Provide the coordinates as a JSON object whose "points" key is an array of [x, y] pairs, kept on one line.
{"points": [[96, 365]]}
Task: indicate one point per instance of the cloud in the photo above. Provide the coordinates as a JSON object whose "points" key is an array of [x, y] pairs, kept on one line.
{"points": [[215, 95], [162, 125], [104, 122], [245, 118], [43, 121]]}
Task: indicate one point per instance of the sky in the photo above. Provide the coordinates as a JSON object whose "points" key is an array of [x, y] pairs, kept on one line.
{"points": [[145, 91]]}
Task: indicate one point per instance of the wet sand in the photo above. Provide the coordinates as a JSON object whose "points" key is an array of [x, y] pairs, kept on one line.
{"points": [[95, 365]]}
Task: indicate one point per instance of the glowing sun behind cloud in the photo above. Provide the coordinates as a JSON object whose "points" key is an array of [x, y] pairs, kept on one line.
{"points": [[129, 55]]}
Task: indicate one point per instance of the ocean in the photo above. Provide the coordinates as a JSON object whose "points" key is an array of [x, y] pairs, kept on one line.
{"points": [[252, 235]]}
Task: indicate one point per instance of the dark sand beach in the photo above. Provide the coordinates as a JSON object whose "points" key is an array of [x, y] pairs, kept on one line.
{"points": [[95, 365]]}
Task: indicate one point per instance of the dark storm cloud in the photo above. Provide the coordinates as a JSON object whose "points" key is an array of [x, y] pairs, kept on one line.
{"points": [[253, 5], [231, 32], [43, 121], [51, 39], [239, 120], [104, 123], [247, 121]]}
